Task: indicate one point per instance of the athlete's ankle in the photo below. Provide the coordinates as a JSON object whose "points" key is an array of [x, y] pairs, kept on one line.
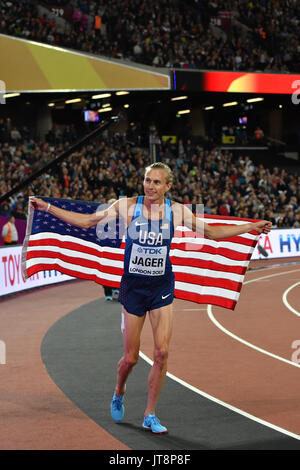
{"points": [[120, 392]]}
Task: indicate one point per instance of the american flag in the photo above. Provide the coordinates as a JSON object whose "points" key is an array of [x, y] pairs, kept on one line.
{"points": [[206, 271]]}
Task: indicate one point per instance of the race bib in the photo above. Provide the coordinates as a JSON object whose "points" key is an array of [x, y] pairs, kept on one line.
{"points": [[148, 261]]}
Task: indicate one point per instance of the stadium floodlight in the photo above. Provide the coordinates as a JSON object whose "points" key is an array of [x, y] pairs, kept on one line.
{"points": [[103, 95], [253, 100], [184, 111], [11, 95], [178, 98], [120, 93], [231, 103], [126, 105], [104, 110], [51, 105], [73, 100], [207, 108]]}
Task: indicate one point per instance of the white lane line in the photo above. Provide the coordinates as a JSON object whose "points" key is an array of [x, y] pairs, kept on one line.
{"points": [[250, 345], [223, 403], [284, 299], [227, 405]]}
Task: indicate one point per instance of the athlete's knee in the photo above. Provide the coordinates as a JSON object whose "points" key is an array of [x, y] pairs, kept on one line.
{"points": [[130, 360], [161, 356]]}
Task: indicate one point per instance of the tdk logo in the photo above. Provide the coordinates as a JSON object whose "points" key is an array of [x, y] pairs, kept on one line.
{"points": [[152, 251]]}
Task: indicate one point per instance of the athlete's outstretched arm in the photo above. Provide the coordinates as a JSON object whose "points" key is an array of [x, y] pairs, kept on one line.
{"points": [[216, 232], [75, 218]]}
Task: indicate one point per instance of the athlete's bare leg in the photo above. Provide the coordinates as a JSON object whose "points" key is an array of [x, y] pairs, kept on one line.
{"points": [[161, 322], [132, 325]]}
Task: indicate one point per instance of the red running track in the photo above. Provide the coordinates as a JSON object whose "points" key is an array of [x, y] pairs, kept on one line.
{"points": [[243, 358]]}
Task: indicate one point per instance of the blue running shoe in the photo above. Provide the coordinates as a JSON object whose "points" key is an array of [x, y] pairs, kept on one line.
{"points": [[152, 423], [117, 408]]}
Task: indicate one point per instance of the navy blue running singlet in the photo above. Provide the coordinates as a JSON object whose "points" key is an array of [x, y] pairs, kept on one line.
{"points": [[148, 243], [148, 279]]}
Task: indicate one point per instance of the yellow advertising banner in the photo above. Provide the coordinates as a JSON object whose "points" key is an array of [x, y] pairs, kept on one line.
{"points": [[228, 139], [32, 66]]}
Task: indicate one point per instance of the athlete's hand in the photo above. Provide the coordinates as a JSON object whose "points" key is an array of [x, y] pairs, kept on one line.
{"points": [[263, 226], [37, 203]]}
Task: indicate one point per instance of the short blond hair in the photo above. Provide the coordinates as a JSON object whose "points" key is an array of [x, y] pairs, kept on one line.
{"points": [[162, 166]]}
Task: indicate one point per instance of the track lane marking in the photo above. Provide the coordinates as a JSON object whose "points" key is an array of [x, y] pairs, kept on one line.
{"points": [[250, 345], [284, 299], [222, 403]]}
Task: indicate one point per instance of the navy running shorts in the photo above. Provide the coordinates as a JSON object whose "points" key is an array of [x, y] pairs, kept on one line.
{"points": [[139, 295]]}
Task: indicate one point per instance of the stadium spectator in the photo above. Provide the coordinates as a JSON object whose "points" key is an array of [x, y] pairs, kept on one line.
{"points": [[5, 210], [15, 135], [296, 223], [9, 232], [244, 35], [111, 168], [258, 134]]}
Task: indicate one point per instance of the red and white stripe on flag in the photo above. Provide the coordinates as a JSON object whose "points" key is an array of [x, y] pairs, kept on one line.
{"points": [[211, 271], [206, 271]]}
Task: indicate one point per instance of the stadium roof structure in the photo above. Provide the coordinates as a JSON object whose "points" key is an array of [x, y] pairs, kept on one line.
{"points": [[29, 66]]}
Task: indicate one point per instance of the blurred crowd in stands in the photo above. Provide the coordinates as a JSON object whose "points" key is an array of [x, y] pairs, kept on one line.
{"points": [[246, 35], [110, 168]]}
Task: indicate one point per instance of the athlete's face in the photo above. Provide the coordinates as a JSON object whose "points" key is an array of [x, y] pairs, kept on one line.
{"points": [[155, 184]]}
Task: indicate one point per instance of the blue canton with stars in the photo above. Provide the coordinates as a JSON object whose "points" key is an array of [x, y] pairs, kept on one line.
{"points": [[103, 235]]}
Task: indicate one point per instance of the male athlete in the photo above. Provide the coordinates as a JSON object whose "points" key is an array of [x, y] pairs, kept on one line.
{"points": [[147, 285]]}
